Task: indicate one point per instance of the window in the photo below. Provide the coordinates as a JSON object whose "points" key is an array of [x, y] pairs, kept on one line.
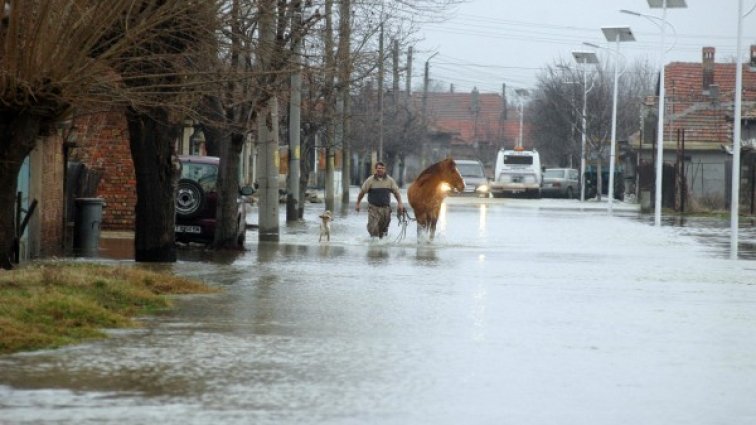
{"points": [[518, 160], [470, 170]]}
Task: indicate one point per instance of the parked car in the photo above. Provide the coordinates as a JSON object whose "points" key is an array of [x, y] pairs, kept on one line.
{"points": [[560, 183], [197, 199], [475, 177], [591, 183]]}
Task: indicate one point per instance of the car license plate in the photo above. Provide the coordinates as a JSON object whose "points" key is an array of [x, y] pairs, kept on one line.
{"points": [[188, 229]]}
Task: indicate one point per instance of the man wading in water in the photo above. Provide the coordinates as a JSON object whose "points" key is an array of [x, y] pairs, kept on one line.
{"points": [[379, 188]]}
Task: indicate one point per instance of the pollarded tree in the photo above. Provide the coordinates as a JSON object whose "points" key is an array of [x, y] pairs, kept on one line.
{"points": [[61, 55]]}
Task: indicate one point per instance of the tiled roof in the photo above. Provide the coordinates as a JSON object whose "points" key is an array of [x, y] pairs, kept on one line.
{"points": [[453, 113], [706, 116]]}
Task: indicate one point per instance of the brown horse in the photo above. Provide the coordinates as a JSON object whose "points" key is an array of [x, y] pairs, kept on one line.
{"points": [[428, 191]]}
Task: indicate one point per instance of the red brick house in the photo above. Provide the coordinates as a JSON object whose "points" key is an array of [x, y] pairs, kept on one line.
{"points": [[698, 133], [472, 126]]}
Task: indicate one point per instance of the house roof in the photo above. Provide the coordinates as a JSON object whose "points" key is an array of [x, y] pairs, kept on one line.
{"points": [[453, 113], [705, 115]]}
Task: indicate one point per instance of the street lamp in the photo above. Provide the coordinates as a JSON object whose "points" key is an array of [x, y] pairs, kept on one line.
{"points": [[735, 195], [660, 4], [584, 58], [521, 93], [616, 34]]}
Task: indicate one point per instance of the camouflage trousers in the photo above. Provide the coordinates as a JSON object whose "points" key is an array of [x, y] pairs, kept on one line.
{"points": [[379, 219]]}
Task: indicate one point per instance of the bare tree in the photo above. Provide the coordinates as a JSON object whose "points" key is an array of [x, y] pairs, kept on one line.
{"points": [[60, 55], [555, 111], [256, 61]]}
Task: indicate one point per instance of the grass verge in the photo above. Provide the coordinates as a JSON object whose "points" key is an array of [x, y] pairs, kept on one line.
{"points": [[49, 305]]}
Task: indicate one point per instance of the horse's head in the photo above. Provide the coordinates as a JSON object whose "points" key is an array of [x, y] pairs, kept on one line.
{"points": [[451, 175]]}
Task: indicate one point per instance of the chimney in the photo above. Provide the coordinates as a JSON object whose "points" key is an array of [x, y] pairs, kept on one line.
{"points": [[708, 67], [753, 57]]}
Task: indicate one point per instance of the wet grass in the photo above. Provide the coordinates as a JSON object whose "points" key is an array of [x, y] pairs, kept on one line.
{"points": [[49, 305]]}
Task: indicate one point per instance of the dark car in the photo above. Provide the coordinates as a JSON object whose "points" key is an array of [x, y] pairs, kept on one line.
{"points": [[472, 172], [560, 183], [197, 199], [591, 183]]}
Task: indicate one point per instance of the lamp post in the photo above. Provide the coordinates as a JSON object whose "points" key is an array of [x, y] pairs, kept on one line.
{"points": [[584, 58], [661, 4], [616, 34], [735, 195], [521, 93]]}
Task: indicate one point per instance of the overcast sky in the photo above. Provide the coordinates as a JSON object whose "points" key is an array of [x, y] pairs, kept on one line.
{"points": [[485, 43]]}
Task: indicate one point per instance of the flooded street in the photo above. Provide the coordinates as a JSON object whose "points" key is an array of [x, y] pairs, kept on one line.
{"points": [[520, 312]]}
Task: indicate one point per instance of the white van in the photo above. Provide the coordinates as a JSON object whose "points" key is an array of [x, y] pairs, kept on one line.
{"points": [[517, 171]]}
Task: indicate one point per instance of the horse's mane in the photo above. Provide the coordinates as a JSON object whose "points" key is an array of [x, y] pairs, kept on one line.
{"points": [[434, 170]]}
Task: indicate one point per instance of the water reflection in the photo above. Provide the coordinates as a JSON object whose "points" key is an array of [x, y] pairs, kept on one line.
{"points": [[441, 224], [267, 251], [483, 208], [426, 254], [377, 254], [205, 254]]}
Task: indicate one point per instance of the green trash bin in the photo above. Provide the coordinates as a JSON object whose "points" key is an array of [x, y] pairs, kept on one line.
{"points": [[87, 226]]}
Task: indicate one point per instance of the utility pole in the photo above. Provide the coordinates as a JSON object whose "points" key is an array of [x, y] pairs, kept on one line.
{"points": [[380, 96], [268, 136], [268, 179], [396, 166], [424, 148]]}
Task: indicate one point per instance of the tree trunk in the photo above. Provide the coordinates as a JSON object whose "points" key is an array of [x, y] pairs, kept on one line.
{"points": [[18, 134], [330, 105], [227, 220], [215, 136], [345, 67], [599, 180], [293, 193], [151, 141]]}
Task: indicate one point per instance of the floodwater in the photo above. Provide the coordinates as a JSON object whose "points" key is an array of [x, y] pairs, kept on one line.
{"points": [[520, 312]]}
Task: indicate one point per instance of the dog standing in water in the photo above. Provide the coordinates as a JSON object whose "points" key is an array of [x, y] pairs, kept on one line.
{"points": [[325, 226]]}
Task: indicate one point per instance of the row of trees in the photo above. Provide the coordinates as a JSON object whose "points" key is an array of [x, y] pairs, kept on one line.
{"points": [[224, 63], [555, 112]]}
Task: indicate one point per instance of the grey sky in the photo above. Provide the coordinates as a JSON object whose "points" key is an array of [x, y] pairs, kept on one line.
{"points": [[489, 42]]}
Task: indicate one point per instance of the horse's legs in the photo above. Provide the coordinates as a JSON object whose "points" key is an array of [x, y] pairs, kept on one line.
{"points": [[433, 228]]}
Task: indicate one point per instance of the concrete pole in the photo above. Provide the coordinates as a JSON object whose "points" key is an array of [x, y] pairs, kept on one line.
{"points": [[268, 212], [735, 201], [612, 147], [380, 97], [660, 126], [426, 80], [522, 114], [582, 140]]}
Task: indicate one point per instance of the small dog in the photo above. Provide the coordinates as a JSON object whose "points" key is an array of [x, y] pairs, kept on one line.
{"points": [[325, 226]]}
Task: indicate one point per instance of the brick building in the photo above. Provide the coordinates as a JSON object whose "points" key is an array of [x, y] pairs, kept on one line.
{"points": [[102, 146], [472, 126], [698, 133]]}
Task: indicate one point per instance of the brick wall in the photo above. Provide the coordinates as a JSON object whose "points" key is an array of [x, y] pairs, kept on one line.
{"points": [[103, 145]]}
